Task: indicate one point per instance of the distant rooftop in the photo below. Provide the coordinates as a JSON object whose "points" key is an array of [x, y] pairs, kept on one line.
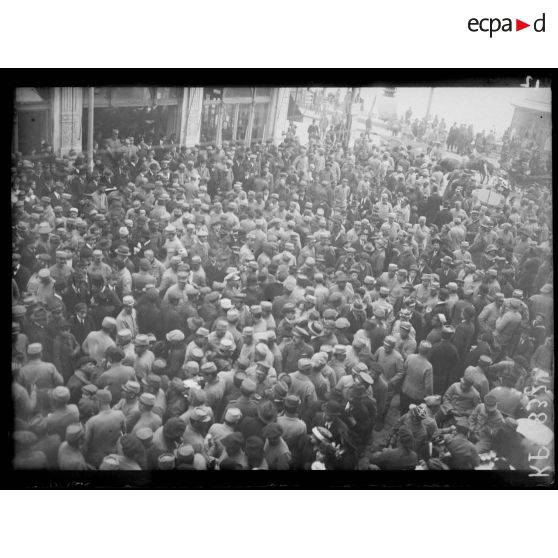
{"points": [[537, 99]]}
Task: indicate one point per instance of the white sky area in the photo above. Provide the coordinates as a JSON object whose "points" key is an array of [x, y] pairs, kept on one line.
{"points": [[484, 107]]}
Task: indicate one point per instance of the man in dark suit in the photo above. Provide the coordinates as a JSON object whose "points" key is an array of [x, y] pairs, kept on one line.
{"points": [[329, 418], [76, 292], [445, 272], [436, 254], [106, 303], [423, 268], [28, 252], [445, 361], [81, 323], [20, 273]]}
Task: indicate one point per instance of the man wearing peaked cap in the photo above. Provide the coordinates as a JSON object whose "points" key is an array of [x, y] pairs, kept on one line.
{"points": [[484, 422], [70, 456], [103, 430], [175, 336], [40, 375], [419, 381], [302, 385], [96, 343], [144, 417], [219, 431], [145, 436], [296, 350], [296, 272], [129, 404], [197, 428], [246, 399], [166, 462], [110, 463], [294, 428]]}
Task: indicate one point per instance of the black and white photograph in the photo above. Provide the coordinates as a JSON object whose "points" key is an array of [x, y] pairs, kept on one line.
{"points": [[291, 279]]}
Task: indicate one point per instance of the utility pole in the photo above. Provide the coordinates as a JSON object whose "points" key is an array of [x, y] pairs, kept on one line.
{"points": [[429, 105], [90, 124], [349, 110]]}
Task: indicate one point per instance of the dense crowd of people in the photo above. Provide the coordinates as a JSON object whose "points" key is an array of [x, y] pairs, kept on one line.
{"points": [[275, 307]]}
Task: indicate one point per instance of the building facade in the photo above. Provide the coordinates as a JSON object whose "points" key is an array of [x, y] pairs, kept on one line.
{"points": [[59, 116], [532, 118]]}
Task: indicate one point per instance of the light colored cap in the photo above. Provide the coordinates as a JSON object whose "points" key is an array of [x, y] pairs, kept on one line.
{"points": [[233, 414], [34, 349]]}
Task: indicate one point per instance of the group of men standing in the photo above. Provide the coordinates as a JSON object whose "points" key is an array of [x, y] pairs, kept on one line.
{"points": [[273, 307]]}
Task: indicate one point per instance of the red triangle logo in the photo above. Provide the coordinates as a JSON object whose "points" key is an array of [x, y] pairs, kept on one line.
{"points": [[519, 25]]}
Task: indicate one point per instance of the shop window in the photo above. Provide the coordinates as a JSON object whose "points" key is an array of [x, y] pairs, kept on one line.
{"points": [[238, 93], [167, 94], [243, 121], [264, 92], [260, 115], [32, 95], [101, 96], [209, 121], [227, 132], [31, 130], [131, 96], [212, 94]]}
